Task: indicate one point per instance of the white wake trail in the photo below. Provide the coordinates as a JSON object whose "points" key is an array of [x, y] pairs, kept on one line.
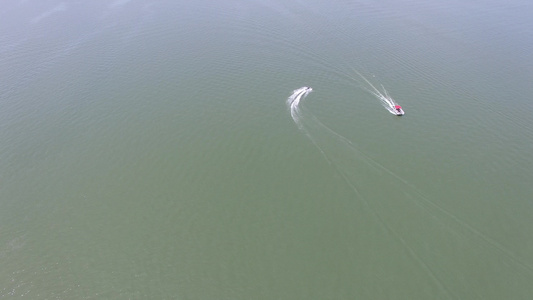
{"points": [[384, 97], [294, 100], [396, 196]]}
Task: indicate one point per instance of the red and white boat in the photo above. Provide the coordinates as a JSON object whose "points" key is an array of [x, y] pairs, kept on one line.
{"points": [[398, 110]]}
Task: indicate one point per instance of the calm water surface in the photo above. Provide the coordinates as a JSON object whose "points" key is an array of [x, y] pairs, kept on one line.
{"points": [[147, 150]]}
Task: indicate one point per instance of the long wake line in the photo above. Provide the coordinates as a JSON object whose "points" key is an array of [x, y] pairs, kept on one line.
{"points": [[346, 160], [293, 102]]}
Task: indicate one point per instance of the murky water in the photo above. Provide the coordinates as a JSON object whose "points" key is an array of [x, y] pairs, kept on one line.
{"points": [[148, 151]]}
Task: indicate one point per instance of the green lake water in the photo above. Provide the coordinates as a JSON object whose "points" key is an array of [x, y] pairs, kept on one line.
{"points": [[147, 150]]}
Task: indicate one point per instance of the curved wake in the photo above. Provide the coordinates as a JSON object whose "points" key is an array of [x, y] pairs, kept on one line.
{"points": [[294, 100], [399, 208]]}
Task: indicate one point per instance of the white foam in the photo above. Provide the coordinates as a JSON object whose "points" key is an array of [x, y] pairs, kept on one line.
{"points": [[386, 100], [294, 100]]}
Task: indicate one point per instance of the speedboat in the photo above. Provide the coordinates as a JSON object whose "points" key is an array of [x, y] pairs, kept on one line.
{"points": [[398, 110]]}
